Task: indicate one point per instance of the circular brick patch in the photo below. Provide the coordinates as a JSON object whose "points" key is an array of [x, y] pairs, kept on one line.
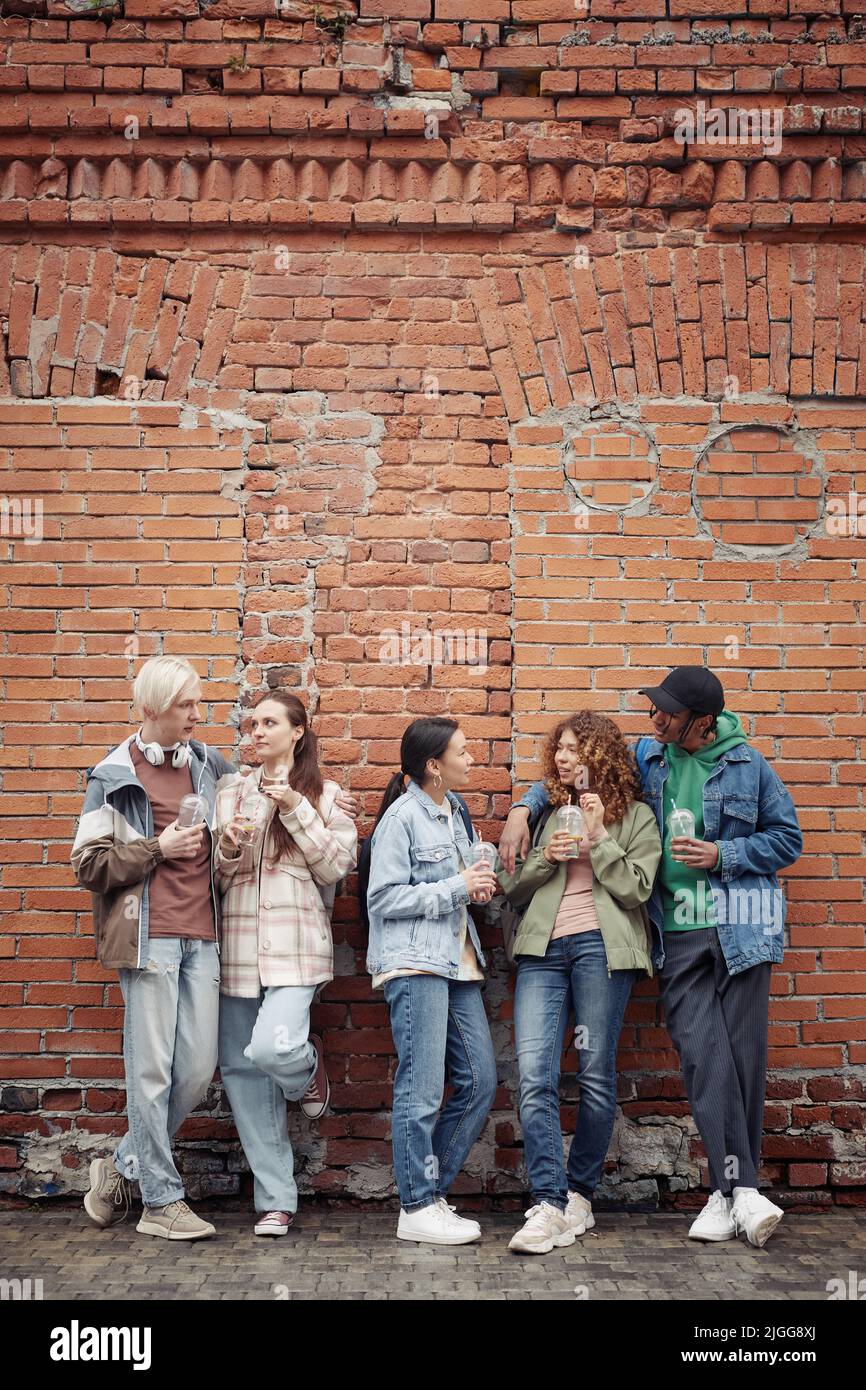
{"points": [[611, 465], [752, 488]]}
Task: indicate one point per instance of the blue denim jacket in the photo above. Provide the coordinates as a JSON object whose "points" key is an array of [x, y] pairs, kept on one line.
{"points": [[749, 809], [417, 896]]}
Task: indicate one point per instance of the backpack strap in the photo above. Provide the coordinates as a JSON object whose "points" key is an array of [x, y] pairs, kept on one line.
{"points": [[363, 871], [640, 752], [539, 824], [464, 812]]}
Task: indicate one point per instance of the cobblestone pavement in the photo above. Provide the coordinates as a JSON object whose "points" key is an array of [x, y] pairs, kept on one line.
{"points": [[342, 1252]]}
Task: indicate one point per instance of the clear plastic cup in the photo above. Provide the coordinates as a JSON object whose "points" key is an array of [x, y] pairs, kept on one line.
{"points": [[192, 811], [253, 814], [278, 779], [480, 851], [570, 819], [681, 822]]}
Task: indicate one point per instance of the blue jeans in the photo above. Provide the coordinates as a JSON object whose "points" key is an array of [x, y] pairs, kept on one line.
{"points": [[437, 1024], [265, 1059], [169, 1054], [572, 975]]}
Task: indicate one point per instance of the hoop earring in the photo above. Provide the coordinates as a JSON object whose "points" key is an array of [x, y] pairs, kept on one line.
{"points": [[437, 781]]}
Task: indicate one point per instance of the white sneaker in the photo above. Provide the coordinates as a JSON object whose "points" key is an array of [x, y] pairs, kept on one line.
{"points": [[436, 1225], [579, 1213], [756, 1216], [545, 1227], [452, 1217], [714, 1222]]}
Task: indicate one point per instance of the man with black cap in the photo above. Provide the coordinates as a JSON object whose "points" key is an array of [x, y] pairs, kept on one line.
{"points": [[717, 916]]}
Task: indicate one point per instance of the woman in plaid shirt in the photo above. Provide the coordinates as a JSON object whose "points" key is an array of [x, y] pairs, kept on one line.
{"points": [[276, 945]]}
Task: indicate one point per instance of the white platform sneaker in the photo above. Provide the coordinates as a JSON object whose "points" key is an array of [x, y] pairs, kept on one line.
{"points": [[437, 1224], [755, 1216], [714, 1222]]}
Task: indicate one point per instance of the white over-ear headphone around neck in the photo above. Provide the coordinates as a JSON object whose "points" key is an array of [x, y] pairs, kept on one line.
{"points": [[155, 753]]}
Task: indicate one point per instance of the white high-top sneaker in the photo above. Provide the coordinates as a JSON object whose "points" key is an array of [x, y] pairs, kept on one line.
{"points": [[436, 1225], [544, 1228], [714, 1222], [579, 1213], [755, 1215]]}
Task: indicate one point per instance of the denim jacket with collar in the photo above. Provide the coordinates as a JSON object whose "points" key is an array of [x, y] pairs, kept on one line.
{"points": [[748, 808], [417, 896]]}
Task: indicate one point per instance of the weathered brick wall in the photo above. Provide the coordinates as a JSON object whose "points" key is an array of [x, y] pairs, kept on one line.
{"points": [[322, 327]]}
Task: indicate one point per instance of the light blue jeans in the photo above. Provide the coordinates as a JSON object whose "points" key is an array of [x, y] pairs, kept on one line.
{"points": [[265, 1059], [439, 1026], [169, 1054], [571, 977]]}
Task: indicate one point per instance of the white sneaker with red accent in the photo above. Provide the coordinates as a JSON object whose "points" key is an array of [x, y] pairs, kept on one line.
{"points": [[273, 1223]]}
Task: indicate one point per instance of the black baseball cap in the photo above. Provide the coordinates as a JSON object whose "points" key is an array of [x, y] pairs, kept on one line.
{"points": [[687, 687]]}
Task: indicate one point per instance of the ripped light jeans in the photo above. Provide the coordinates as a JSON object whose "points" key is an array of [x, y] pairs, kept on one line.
{"points": [[170, 1055]]}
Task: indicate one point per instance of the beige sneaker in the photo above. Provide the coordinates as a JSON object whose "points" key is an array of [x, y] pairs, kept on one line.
{"points": [[545, 1227], [107, 1199], [579, 1213], [174, 1222]]}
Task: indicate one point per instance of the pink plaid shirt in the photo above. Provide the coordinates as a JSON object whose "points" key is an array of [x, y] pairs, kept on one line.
{"points": [[275, 928]]}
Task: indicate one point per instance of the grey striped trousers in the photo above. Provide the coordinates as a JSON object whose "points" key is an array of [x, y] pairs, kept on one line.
{"points": [[718, 1025]]}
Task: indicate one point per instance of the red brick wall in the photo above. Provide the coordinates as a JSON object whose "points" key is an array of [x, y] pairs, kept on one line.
{"points": [[429, 319]]}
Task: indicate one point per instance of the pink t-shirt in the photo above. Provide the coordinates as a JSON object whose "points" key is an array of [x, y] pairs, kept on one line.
{"points": [[577, 909]]}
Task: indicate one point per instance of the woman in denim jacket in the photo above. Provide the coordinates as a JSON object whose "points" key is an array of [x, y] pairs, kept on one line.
{"points": [[425, 953]]}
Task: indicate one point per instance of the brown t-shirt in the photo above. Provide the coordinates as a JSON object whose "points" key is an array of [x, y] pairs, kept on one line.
{"points": [[179, 890]]}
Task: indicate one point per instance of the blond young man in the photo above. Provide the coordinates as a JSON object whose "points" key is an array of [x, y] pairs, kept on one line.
{"points": [[155, 921]]}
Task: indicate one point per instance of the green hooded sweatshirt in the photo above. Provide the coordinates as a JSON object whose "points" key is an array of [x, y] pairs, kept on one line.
{"points": [[684, 789]]}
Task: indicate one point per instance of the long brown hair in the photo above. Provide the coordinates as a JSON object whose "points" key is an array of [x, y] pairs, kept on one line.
{"points": [[305, 776], [610, 764]]}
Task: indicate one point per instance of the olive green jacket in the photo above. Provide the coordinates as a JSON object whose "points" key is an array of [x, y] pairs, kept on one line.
{"points": [[624, 866]]}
